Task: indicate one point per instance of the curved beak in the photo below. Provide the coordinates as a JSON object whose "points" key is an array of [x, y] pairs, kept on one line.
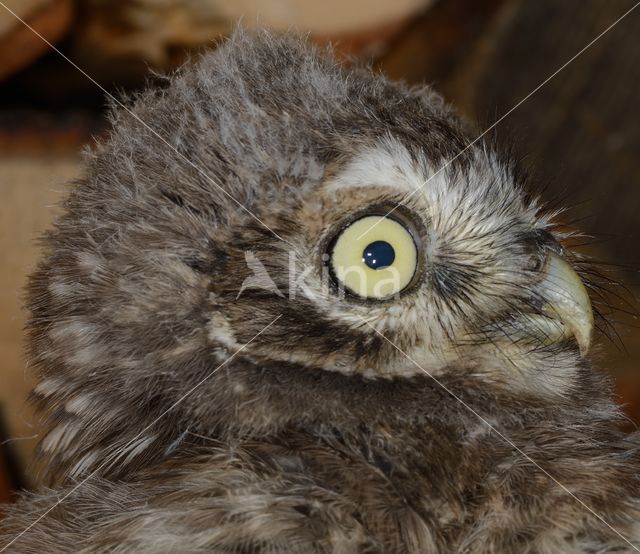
{"points": [[566, 300]]}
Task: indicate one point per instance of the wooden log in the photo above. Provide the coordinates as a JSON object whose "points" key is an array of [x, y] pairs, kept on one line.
{"points": [[19, 46], [162, 34]]}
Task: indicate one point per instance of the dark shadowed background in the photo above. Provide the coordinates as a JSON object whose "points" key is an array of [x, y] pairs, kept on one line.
{"points": [[578, 134]]}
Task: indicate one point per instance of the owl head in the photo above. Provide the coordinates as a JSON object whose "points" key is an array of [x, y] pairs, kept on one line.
{"points": [[270, 239]]}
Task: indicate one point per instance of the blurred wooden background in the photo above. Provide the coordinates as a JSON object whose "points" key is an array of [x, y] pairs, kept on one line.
{"points": [[579, 134]]}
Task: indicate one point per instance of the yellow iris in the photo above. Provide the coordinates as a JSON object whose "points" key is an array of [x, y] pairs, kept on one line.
{"points": [[374, 257]]}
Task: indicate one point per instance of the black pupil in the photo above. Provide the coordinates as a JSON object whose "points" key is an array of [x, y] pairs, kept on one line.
{"points": [[378, 255]]}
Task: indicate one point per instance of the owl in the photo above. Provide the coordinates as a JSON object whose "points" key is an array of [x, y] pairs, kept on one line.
{"points": [[293, 307]]}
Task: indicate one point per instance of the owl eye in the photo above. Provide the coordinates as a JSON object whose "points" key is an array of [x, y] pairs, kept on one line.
{"points": [[374, 257]]}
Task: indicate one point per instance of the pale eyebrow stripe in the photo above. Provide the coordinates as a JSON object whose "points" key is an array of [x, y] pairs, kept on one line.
{"points": [[508, 113]]}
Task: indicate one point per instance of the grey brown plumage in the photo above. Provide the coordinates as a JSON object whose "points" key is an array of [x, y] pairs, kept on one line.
{"points": [[319, 435]]}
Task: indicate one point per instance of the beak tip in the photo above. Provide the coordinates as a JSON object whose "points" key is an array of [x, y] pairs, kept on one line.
{"points": [[584, 344], [568, 301]]}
